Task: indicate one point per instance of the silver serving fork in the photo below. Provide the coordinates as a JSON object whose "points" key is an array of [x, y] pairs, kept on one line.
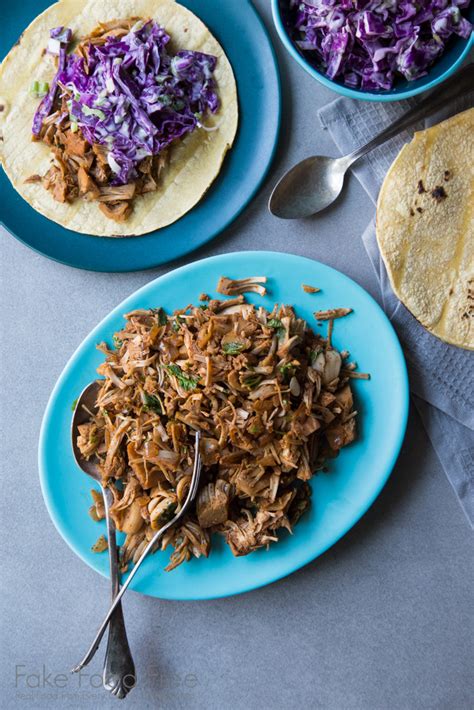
{"points": [[119, 669], [193, 488]]}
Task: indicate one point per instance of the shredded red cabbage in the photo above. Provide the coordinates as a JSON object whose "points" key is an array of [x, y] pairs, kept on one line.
{"points": [[135, 98], [367, 44], [62, 34], [44, 109]]}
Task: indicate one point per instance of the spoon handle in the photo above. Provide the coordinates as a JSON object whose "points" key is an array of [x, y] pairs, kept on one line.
{"points": [[454, 87], [119, 669]]}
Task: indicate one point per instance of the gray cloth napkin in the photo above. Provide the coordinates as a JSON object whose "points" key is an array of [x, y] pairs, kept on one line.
{"points": [[441, 376]]}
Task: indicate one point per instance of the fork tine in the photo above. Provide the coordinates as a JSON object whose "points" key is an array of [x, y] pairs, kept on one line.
{"points": [[196, 468]]}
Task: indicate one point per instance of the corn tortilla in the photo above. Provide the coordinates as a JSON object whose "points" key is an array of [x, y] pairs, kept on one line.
{"points": [[425, 228]]}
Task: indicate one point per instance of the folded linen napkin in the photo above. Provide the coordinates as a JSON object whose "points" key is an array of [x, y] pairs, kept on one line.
{"points": [[441, 376]]}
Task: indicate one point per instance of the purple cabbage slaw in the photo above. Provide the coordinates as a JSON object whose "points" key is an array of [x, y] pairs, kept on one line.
{"points": [[136, 98], [367, 44]]}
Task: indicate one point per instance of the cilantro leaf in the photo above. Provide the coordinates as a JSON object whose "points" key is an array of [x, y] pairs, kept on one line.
{"points": [[251, 380], [277, 325], [176, 323], [160, 315], [287, 370], [233, 348], [152, 403], [117, 342], [187, 382]]}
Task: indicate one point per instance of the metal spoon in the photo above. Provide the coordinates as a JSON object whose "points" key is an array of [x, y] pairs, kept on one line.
{"points": [[193, 487], [314, 183], [119, 669]]}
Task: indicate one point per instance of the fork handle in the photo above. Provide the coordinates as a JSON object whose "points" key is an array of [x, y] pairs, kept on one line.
{"points": [[457, 85], [116, 603], [119, 669]]}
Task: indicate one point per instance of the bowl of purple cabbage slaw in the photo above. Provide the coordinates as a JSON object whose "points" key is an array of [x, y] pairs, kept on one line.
{"points": [[377, 50]]}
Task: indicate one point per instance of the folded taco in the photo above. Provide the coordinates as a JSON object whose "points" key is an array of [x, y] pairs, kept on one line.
{"points": [[115, 116]]}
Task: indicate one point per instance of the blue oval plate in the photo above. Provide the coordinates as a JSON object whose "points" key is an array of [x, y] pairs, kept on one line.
{"points": [[237, 26], [340, 496]]}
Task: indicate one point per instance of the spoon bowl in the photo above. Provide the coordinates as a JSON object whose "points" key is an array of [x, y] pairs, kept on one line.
{"points": [[85, 403], [309, 187]]}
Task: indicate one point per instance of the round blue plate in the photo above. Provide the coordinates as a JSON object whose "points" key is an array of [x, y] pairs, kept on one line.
{"points": [[237, 26], [340, 496]]}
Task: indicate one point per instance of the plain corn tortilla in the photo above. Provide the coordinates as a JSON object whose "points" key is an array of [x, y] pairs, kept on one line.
{"points": [[425, 228], [195, 161]]}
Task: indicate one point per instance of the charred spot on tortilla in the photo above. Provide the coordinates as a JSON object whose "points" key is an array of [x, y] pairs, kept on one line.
{"points": [[447, 175], [412, 214], [439, 193], [469, 313], [420, 187], [18, 42], [419, 209]]}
